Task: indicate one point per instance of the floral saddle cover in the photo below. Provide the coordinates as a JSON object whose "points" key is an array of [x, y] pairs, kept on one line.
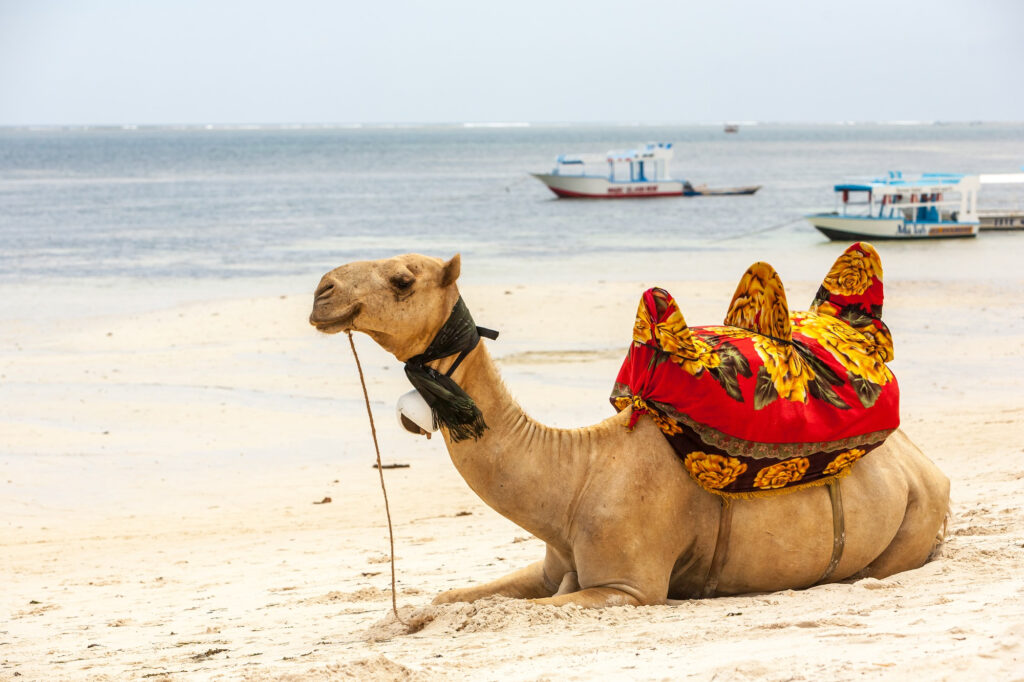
{"points": [[772, 400]]}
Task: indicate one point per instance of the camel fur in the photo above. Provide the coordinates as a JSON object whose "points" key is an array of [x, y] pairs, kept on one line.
{"points": [[623, 521]]}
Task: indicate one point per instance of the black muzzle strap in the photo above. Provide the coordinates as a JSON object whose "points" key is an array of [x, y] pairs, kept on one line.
{"points": [[452, 407]]}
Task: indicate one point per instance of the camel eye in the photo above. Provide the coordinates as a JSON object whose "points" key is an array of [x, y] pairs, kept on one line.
{"points": [[403, 282]]}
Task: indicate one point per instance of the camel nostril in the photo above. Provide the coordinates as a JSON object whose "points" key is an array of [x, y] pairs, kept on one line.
{"points": [[324, 291]]}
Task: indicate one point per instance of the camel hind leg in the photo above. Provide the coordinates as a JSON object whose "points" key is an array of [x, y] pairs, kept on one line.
{"points": [[918, 536]]}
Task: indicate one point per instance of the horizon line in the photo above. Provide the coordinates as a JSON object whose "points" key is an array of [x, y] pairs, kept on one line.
{"points": [[343, 125]]}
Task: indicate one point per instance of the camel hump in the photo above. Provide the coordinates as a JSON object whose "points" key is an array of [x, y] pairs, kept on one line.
{"points": [[659, 322], [853, 292], [759, 304]]}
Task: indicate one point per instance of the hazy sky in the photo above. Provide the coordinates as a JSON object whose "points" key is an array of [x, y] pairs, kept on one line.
{"points": [[315, 61]]}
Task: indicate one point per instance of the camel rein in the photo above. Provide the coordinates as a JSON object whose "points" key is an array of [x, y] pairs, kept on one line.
{"points": [[380, 471]]}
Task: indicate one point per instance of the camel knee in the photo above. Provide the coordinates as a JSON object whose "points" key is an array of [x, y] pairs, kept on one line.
{"points": [[570, 583]]}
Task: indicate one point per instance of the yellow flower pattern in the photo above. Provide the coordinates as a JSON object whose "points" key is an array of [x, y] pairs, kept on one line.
{"points": [[781, 474], [668, 426], [642, 325], [847, 345], [826, 308], [674, 337], [879, 340], [713, 471], [789, 374], [843, 461], [768, 364], [759, 303], [854, 272]]}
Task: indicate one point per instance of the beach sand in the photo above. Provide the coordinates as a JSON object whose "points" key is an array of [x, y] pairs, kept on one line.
{"points": [[164, 474]]}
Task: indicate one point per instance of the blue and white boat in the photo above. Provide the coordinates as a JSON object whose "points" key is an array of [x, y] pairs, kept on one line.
{"points": [[630, 173], [927, 206]]}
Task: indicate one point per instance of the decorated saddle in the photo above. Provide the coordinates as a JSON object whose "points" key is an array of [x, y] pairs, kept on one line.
{"points": [[771, 400]]}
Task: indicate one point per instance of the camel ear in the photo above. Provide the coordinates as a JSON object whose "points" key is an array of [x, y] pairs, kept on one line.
{"points": [[451, 271]]}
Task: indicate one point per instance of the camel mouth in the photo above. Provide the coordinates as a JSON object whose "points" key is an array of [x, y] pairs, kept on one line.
{"points": [[336, 323]]}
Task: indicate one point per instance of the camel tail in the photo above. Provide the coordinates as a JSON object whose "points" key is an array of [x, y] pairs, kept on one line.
{"points": [[852, 291]]}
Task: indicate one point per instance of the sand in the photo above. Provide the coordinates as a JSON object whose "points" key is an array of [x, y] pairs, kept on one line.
{"points": [[164, 472]]}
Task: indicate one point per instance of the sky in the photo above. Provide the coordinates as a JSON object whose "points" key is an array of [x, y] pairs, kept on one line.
{"points": [[116, 62]]}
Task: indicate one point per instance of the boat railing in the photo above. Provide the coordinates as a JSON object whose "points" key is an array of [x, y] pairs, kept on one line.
{"points": [[647, 164], [938, 210]]}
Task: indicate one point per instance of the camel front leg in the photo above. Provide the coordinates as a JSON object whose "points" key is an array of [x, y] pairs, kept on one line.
{"points": [[526, 583], [592, 598]]}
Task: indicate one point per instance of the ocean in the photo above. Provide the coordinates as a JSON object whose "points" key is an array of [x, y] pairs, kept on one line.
{"points": [[207, 205], [117, 386]]}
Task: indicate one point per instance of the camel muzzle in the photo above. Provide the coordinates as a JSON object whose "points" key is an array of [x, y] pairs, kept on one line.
{"points": [[327, 323]]}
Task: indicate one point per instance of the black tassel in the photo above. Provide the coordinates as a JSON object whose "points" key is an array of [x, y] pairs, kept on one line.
{"points": [[452, 407]]}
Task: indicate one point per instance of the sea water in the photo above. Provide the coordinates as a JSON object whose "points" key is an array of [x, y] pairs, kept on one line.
{"points": [[97, 221], [207, 205]]}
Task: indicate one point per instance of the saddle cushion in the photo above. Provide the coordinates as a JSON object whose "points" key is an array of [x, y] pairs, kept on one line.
{"points": [[771, 400]]}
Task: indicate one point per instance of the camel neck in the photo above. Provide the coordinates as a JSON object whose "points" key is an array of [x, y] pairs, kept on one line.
{"points": [[524, 470]]}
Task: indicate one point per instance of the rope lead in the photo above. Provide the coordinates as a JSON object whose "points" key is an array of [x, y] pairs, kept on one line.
{"points": [[380, 470]]}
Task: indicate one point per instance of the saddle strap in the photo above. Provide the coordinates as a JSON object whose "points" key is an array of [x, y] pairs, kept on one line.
{"points": [[835, 495], [721, 549]]}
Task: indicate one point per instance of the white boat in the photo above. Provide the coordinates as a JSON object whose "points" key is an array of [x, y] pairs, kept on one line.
{"points": [[928, 206], [627, 173]]}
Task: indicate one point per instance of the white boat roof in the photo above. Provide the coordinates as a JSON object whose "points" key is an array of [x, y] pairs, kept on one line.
{"points": [[650, 151], [1001, 178], [896, 183]]}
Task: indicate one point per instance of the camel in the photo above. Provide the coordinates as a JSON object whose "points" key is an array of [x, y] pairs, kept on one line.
{"points": [[623, 522]]}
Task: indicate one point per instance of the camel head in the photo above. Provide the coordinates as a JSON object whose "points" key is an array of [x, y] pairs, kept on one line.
{"points": [[399, 302]]}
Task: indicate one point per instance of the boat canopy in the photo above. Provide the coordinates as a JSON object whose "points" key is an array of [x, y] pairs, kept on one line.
{"points": [[925, 183], [929, 197], [649, 152], [644, 164], [580, 159], [1001, 178]]}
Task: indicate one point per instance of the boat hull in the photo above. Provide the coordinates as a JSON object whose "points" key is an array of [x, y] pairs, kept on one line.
{"points": [[588, 187], [723, 192], [845, 228]]}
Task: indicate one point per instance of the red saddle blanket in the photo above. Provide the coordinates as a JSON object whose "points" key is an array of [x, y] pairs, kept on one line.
{"points": [[770, 400]]}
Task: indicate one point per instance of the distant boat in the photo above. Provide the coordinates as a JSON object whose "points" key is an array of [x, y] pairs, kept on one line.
{"points": [[630, 173], [705, 191], [1001, 218], [731, 128], [929, 206]]}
